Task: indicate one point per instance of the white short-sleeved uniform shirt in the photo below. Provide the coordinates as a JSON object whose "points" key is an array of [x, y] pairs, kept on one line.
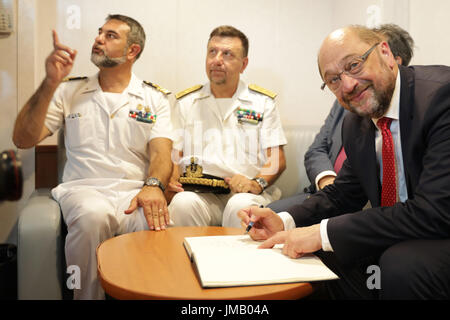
{"points": [[108, 143], [231, 140]]}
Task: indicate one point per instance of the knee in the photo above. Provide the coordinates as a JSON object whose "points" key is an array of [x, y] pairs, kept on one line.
{"points": [[399, 261], [237, 202], [185, 209], [402, 272], [241, 201], [183, 202]]}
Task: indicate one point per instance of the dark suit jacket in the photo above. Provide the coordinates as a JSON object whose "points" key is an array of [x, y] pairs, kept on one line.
{"points": [[425, 139], [325, 148]]}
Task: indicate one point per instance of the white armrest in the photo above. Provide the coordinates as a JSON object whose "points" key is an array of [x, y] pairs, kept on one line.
{"points": [[39, 257]]}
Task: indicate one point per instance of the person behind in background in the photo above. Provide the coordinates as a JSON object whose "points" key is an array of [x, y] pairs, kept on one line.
{"points": [[325, 156], [231, 140], [117, 135]]}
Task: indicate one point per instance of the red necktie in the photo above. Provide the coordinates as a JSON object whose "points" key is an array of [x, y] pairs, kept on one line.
{"points": [[340, 160], [388, 189]]}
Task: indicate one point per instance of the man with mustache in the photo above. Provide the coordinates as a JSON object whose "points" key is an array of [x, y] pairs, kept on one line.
{"points": [[397, 141], [232, 132], [117, 135]]}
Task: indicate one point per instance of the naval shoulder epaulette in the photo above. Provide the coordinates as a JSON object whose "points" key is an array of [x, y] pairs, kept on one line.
{"points": [[187, 91], [266, 92], [74, 78], [165, 91]]}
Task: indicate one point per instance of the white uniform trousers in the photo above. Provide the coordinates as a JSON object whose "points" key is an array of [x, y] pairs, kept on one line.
{"points": [[93, 210], [208, 209]]}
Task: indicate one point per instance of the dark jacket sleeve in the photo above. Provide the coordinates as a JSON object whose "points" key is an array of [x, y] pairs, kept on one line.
{"points": [[345, 195], [322, 153], [426, 213]]}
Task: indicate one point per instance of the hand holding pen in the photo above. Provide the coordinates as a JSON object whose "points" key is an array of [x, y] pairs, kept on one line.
{"points": [[260, 223], [250, 225]]}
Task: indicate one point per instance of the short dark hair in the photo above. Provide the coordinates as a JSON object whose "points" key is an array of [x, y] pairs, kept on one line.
{"points": [[399, 40], [136, 34], [229, 31]]}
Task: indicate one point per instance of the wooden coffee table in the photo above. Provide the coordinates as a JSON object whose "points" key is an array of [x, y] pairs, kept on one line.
{"points": [[155, 265]]}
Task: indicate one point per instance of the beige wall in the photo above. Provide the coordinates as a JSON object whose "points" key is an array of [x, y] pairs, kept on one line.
{"points": [[285, 36], [429, 25]]}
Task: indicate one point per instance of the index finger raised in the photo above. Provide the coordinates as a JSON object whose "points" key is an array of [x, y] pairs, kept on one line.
{"points": [[58, 46], [55, 38]]}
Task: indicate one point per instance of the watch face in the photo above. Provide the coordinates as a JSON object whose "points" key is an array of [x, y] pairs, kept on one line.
{"points": [[262, 182], [154, 182]]}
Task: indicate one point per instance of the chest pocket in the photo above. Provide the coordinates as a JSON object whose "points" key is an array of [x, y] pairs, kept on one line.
{"points": [[79, 131], [249, 139], [139, 134]]}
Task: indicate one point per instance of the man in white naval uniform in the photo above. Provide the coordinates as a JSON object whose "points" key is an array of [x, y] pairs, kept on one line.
{"points": [[232, 131], [117, 135]]}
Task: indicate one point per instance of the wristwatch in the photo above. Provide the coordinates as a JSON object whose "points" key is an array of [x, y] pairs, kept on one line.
{"points": [[262, 182], [154, 182]]}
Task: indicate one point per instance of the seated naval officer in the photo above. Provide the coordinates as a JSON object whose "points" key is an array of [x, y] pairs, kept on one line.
{"points": [[117, 135], [230, 140]]}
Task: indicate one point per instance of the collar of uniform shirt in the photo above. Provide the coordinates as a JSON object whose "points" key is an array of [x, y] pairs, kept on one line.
{"points": [[134, 86], [241, 92], [393, 111]]}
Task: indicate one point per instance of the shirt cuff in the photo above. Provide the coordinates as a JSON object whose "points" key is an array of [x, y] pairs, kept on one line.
{"points": [[326, 245], [323, 174], [288, 221]]}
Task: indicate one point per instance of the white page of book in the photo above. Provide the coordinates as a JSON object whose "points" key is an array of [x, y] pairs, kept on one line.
{"points": [[236, 260]]}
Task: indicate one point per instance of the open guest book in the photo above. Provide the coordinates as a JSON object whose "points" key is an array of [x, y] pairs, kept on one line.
{"points": [[227, 261]]}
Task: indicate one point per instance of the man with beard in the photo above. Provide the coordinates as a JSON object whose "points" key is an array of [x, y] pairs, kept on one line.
{"points": [[325, 156], [397, 140], [117, 135]]}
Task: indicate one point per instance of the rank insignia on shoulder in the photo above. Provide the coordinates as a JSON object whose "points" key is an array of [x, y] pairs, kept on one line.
{"points": [[74, 78], [259, 89], [160, 89], [183, 93], [249, 116]]}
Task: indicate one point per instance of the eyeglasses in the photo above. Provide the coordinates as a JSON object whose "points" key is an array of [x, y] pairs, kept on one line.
{"points": [[353, 68]]}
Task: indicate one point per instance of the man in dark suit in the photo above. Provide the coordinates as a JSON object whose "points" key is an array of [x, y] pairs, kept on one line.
{"points": [[325, 156], [397, 141]]}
